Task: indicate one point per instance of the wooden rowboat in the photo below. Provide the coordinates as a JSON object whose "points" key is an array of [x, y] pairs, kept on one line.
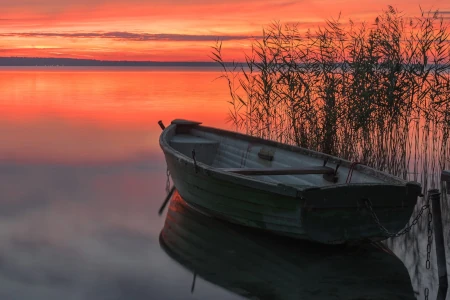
{"points": [[258, 266], [284, 189]]}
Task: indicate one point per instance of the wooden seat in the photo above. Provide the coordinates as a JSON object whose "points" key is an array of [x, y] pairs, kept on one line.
{"points": [[191, 139], [205, 149], [279, 171]]}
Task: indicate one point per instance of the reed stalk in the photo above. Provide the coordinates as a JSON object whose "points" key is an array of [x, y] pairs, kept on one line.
{"points": [[375, 93]]}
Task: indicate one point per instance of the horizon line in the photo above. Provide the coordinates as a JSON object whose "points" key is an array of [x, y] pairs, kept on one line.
{"points": [[24, 58]]}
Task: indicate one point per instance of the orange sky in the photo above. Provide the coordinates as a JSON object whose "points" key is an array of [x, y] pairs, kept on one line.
{"points": [[165, 30]]}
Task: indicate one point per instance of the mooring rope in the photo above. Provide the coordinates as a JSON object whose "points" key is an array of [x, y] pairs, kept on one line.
{"points": [[350, 171]]}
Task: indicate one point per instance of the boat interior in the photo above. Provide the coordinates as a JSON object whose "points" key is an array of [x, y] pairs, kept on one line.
{"points": [[265, 160]]}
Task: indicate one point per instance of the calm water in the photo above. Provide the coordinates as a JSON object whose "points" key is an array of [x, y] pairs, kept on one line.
{"points": [[82, 178]]}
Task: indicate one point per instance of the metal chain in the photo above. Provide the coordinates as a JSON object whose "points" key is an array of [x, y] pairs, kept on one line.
{"points": [[429, 243], [168, 181], [430, 239], [406, 229]]}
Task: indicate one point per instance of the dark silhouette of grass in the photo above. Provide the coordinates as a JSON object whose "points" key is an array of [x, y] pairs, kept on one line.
{"points": [[374, 93]]}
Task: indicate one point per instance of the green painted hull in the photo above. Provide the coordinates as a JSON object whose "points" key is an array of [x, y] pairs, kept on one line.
{"points": [[332, 214], [237, 203]]}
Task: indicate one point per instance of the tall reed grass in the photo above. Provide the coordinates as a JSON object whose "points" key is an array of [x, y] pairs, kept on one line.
{"points": [[374, 93]]}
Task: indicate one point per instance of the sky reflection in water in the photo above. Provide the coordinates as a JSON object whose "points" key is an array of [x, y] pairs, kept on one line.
{"points": [[81, 183], [86, 232], [91, 232]]}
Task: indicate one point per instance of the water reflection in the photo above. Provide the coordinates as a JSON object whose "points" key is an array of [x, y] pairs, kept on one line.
{"points": [[84, 231], [256, 265], [82, 178]]}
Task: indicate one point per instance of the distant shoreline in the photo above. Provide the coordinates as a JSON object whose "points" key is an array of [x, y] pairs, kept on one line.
{"points": [[73, 62]]}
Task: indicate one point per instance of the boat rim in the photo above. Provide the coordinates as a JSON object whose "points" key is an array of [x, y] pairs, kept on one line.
{"points": [[285, 189]]}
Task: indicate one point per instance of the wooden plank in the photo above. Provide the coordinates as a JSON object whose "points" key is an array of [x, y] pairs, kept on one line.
{"points": [[279, 171], [445, 176], [191, 139]]}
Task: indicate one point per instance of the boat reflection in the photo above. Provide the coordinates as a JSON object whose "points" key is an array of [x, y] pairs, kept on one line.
{"points": [[257, 265]]}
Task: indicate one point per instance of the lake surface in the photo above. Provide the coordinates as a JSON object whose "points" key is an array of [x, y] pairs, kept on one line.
{"points": [[82, 178]]}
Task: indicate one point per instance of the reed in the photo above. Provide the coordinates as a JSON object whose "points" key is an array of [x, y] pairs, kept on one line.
{"points": [[374, 93]]}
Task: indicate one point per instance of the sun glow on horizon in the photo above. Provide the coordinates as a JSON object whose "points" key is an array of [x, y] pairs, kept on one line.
{"points": [[161, 31]]}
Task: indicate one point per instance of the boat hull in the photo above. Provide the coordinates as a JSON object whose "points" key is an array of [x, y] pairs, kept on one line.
{"points": [[237, 203], [331, 214]]}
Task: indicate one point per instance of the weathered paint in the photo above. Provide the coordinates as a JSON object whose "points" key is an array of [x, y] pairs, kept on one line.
{"points": [[326, 212], [235, 202]]}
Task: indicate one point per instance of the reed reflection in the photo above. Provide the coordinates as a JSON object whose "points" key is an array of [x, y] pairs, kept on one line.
{"points": [[253, 264]]}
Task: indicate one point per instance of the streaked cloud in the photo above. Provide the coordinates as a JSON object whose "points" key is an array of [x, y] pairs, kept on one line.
{"points": [[445, 14], [130, 36], [155, 29]]}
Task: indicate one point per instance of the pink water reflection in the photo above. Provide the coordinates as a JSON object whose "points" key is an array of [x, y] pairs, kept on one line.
{"points": [[85, 114], [82, 179]]}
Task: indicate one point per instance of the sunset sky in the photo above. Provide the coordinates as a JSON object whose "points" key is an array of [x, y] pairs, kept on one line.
{"points": [[166, 30]]}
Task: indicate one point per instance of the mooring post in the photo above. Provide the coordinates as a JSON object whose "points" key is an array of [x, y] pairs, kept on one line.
{"points": [[435, 198], [445, 176]]}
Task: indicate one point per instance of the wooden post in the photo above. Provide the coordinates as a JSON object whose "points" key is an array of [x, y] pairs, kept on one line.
{"points": [[445, 176], [435, 197]]}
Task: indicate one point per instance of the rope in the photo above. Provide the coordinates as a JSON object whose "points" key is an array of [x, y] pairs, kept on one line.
{"points": [[350, 171]]}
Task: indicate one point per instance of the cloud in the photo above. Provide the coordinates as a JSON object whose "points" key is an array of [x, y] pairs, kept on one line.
{"points": [[445, 14], [130, 36]]}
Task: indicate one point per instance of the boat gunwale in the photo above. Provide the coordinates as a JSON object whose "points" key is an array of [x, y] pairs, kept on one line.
{"points": [[304, 151], [277, 188]]}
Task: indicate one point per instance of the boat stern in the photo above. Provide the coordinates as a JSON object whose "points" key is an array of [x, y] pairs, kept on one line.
{"points": [[356, 212]]}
